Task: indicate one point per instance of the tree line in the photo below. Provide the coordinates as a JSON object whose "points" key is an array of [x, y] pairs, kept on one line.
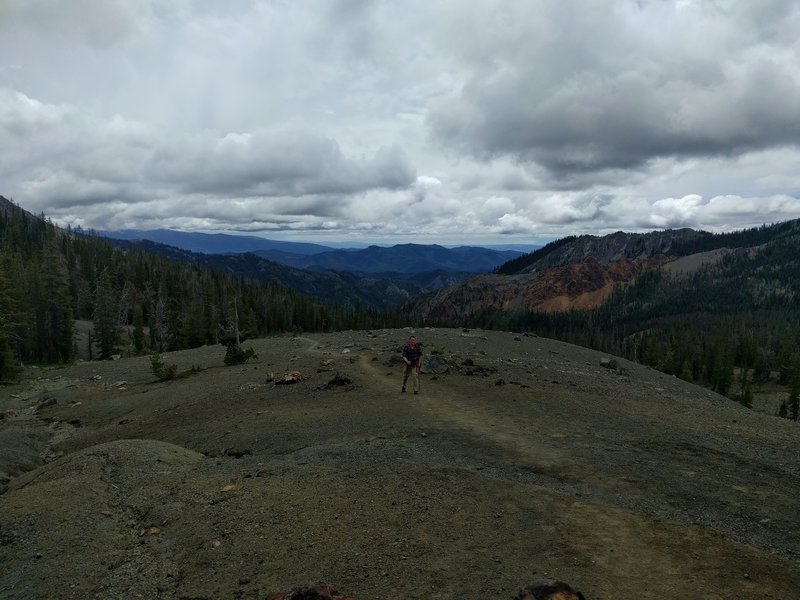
{"points": [[49, 277]]}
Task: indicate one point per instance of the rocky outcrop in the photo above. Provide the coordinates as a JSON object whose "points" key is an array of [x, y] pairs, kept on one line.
{"points": [[619, 246]]}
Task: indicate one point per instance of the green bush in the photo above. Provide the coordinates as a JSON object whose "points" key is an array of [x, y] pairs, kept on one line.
{"points": [[161, 370], [234, 355]]}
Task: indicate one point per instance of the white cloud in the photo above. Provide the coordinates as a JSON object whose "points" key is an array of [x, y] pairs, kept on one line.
{"points": [[507, 119]]}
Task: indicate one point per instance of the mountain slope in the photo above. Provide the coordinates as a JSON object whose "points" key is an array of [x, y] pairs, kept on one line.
{"points": [[332, 287], [214, 243], [726, 317], [579, 272], [401, 258], [138, 301]]}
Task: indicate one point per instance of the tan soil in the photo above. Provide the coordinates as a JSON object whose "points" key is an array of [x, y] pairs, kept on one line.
{"points": [[626, 484]]}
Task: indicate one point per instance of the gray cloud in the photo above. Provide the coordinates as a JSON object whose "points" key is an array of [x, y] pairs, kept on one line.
{"points": [[604, 89], [403, 120]]}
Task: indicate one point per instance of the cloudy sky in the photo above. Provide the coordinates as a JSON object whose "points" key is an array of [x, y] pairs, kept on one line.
{"points": [[488, 121]]}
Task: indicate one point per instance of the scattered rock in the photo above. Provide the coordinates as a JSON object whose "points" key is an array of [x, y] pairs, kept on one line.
{"points": [[46, 400], [500, 381], [290, 378], [340, 379], [326, 365], [115, 357], [549, 590], [517, 338], [609, 363], [270, 377], [480, 371]]}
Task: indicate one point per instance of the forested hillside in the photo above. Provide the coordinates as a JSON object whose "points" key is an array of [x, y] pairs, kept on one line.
{"points": [[733, 324], [49, 277], [375, 290]]}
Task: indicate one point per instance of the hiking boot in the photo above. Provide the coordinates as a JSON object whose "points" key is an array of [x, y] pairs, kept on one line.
{"points": [[403, 389], [416, 392]]}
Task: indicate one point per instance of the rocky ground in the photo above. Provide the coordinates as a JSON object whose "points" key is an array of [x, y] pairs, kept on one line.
{"points": [[524, 460]]}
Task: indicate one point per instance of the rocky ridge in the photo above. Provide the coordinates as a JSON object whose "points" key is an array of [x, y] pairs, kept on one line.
{"points": [[579, 273]]}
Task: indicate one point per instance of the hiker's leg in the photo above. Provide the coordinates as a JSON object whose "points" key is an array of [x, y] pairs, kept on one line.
{"points": [[416, 381], [406, 373]]}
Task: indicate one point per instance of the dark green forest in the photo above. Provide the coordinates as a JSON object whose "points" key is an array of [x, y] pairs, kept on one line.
{"points": [[732, 326], [49, 277]]}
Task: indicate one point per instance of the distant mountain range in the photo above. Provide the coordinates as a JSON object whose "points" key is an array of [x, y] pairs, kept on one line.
{"points": [[381, 291], [214, 243], [402, 258]]}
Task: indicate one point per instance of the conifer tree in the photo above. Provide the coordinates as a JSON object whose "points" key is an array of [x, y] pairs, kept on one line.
{"points": [[793, 406], [56, 325], [8, 366], [105, 315], [138, 328]]}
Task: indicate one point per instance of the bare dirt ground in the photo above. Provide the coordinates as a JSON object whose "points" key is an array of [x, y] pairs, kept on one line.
{"points": [[531, 462]]}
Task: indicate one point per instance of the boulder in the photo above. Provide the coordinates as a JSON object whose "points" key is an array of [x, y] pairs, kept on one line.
{"points": [[338, 380], [434, 363], [321, 591], [289, 378], [45, 400], [549, 590], [609, 363]]}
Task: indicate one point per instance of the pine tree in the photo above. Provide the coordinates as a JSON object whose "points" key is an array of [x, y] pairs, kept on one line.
{"points": [[105, 315], [138, 328], [56, 324], [9, 370], [747, 394], [793, 405]]}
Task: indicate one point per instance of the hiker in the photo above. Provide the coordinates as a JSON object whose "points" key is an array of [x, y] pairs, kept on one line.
{"points": [[412, 357]]}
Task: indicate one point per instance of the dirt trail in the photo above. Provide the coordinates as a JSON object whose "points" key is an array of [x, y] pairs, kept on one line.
{"points": [[517, 438]]}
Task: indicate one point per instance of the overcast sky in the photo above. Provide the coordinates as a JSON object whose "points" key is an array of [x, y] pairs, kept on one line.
{"points": [[402, 120]]}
